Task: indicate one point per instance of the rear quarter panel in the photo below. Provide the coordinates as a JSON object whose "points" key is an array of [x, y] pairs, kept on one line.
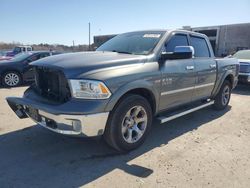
{"points": [[225, 67]]}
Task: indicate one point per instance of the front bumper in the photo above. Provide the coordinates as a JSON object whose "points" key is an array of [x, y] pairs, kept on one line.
{"points": [[244, 77], [68, 124]]}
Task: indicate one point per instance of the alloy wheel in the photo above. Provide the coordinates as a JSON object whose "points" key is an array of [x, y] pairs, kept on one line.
{"points": [[225, 95], [11, 79], [134, 124]]}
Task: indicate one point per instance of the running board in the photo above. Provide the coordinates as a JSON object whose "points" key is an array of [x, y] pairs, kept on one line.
{"points": [[164, 119]]}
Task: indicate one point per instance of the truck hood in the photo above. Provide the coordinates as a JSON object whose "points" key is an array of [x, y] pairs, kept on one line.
{"points": [[74, 64]]}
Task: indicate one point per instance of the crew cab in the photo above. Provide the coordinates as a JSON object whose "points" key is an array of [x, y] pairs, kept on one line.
{"points": [[117, 90]]}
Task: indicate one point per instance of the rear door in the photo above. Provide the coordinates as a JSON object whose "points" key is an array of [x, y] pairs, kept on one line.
{"points": [[178, 76], [205, 65]]}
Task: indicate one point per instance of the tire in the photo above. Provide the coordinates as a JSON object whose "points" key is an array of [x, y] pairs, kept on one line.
{"points": [[11, 79], [129, 123], [223, 97]]}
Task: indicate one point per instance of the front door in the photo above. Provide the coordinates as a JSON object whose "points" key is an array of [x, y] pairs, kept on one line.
{"points": [[178, 76]]}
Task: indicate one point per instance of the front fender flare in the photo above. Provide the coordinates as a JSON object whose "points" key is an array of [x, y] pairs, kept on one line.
{"points": [[138, 84]]}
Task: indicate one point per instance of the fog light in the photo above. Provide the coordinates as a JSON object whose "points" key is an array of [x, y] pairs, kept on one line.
{"points": [[77, 126]]}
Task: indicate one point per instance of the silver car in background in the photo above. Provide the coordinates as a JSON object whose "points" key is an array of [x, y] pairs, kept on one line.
{"points": [[244, 59]]}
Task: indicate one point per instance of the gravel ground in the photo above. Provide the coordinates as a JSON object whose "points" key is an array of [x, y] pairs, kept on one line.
{"points": [[204, 149]]}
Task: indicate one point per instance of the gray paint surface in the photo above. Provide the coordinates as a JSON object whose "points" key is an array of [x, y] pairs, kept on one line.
{"points": [[124, 72]]}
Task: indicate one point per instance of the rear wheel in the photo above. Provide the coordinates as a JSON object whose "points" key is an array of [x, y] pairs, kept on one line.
{"points": [[129, 123], [11, 79], [223, 97]]}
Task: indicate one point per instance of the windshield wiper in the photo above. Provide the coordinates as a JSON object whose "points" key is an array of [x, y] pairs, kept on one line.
{"points": [[121, 52]]}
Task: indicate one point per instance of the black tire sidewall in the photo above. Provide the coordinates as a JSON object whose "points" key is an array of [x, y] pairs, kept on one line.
{"points": [[8, 86], [218, 99], [117, 117]]}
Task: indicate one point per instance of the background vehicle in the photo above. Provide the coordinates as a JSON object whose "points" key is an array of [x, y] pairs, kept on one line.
{"points": [[117, 90], [17, 70], [244, 58], [19, 49], [3, 56]]}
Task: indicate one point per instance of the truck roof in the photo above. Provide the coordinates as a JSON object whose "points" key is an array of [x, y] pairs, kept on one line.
{"points": [[171, 30]]}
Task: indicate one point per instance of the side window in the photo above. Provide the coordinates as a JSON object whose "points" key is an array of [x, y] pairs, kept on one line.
{"points": [[176, 40], [200, 47], [33, 58], [44, 55], [28, 49]]}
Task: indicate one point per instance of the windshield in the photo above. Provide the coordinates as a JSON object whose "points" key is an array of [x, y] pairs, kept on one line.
{"points": [[21, 57], [245, 54], [139, 43]]}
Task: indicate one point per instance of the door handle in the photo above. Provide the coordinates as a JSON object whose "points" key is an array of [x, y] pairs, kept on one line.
{"points": [[189, 67], [212, 65]]}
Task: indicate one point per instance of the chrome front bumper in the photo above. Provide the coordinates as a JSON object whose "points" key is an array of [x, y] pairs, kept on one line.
{"points": [[76, 125], [68, 124]]}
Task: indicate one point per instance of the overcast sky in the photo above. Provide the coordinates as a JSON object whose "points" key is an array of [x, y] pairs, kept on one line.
{"points": [[62, 21]]}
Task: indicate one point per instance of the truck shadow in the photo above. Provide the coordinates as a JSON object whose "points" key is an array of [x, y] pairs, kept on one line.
{"points": [[35, 157], [242, 89]]}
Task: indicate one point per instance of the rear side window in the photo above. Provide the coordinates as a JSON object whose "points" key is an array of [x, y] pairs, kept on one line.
{"points": [[176, 40], [33, 58], [200, 47], [44, 55]]}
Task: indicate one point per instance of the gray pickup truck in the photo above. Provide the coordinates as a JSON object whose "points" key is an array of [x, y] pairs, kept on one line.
{"points": [[118, 89]]}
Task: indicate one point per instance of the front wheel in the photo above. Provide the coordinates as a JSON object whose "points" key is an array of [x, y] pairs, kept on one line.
{"points": [[223, 97], [129, 123]]}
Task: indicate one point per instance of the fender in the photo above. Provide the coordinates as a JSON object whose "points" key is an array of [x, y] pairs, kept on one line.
{"points": [[138, 84]]}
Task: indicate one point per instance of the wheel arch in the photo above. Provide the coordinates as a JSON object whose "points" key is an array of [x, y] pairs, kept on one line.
{"points": [[228, 76], [145, 90]]}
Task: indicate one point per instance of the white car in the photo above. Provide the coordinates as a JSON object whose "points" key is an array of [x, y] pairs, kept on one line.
{"points": [[244, 59]]}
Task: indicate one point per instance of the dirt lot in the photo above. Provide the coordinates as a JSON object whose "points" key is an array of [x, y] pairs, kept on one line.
{"points": [[203, 149]]}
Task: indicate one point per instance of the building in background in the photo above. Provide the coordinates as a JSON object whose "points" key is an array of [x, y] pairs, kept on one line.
{"points": [[225, 39]]}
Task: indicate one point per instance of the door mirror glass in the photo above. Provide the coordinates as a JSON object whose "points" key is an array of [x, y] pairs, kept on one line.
{"points": [[180, 52]]}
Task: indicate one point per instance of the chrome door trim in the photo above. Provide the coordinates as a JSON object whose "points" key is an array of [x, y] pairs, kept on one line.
{"points": [[203, 85], [186, 89]]}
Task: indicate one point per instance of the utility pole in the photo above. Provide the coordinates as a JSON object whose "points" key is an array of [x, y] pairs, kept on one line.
{"points": [[89, 36], [73, 45]]}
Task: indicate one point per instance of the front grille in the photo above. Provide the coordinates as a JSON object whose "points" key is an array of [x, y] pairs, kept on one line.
{"points": [[51, 84], [244, 67]]}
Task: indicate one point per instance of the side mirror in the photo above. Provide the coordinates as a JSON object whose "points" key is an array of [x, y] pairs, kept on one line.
{"points": [[180, 52]]}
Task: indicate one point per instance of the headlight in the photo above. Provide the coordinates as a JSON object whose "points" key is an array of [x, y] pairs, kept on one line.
{"points": [[89, 89]]}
